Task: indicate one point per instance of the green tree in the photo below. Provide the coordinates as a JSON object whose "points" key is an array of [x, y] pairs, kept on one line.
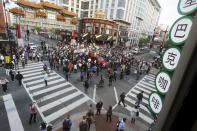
{"points": [[143, 41], [37, 28]]}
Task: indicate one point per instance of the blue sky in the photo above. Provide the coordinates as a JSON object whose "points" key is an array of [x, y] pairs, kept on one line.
{"points": [[169, 12]]}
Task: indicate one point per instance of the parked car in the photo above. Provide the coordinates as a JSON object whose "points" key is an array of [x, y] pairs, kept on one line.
{"points": [[33, 46], [135, 50]]}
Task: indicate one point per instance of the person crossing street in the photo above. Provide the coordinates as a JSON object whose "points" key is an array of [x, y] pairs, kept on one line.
{"points": [[122, 99], [46, 79], [19, 77]]}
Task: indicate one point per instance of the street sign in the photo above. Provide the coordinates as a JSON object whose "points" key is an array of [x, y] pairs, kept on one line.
{"points": [[186, 7], [155, 103], [180, 30], [171, 58], [162, 82]]}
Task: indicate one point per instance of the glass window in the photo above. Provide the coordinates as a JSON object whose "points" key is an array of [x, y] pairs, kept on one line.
{"points": [[85, 5], [111, 13], [120, 14], [121, 3], [66, 2], [107, 4], [101, 4]]}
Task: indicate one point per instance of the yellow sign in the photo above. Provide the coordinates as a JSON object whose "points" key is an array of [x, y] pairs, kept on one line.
{"points": [[7, 59]]}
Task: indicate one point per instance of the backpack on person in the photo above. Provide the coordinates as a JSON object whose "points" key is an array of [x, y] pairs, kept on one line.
{"points": [[67, 124]]}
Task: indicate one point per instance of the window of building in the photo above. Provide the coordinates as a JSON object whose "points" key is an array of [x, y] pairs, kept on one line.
{"points": [[66, 2], [120, 14], [112, 14], [85, 5], [107, 4], [101, 4], [121, 3]]}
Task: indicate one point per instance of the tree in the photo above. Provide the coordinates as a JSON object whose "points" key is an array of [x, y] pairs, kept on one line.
{"points": [[143, 41], [37, 28]]}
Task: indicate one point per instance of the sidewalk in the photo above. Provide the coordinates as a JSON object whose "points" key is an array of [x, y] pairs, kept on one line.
{"points": [[101, 124]]}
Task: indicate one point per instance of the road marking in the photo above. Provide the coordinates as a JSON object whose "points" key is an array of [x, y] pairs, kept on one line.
{"points": [[66, 109], [56, 94], [49, 89], [42, 80], [135, 96], [141, 115], [147, 87], [137, 92], [116, 94], [39, 76], [59, 101], [133, 102], [149, 78], [12, 113], [142, 89], [94, 94], [43, 85], [32, 74], [31, 71], [31, 68], [149, 81], [146, 83]]}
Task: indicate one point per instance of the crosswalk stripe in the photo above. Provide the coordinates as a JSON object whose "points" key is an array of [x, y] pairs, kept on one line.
{"points": [[30, 66], [66, 109], [32, 74], [30, 71], [43, 85], [146, 83], [31, 63], [149, 81], [133, 102], [59, 101], [27, 69], [135, 96], [56, 94], [39, 76], [42, 80], [149, 78], [137, 92], [12, 113], [147, 87], [49, 89], [142, 89], [141, 115]]}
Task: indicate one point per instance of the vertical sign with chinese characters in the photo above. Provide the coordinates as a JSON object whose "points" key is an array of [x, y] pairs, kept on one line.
{"points": [[179, 33]]}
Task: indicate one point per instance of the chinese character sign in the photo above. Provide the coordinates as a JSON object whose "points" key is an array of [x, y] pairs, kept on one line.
{"points": [[171, 58], [163, 82], [180, 30], [187, 6], [155, 103]]}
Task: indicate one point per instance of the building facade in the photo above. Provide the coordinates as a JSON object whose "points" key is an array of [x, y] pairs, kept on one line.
{"points": [[143, 15]]}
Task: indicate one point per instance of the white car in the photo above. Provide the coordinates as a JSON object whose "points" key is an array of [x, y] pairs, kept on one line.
{"points": [[135, 50], [32, 46]]}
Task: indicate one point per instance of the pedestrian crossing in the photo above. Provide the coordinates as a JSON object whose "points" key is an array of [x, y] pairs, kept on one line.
{"points": [[15, 123], [147, 85], [55, 100]]}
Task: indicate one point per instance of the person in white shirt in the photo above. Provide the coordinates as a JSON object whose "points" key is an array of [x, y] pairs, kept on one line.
{"points": [[45, 78]]}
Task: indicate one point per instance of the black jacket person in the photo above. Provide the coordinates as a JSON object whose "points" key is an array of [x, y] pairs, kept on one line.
{"points": [[19, 77]]}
